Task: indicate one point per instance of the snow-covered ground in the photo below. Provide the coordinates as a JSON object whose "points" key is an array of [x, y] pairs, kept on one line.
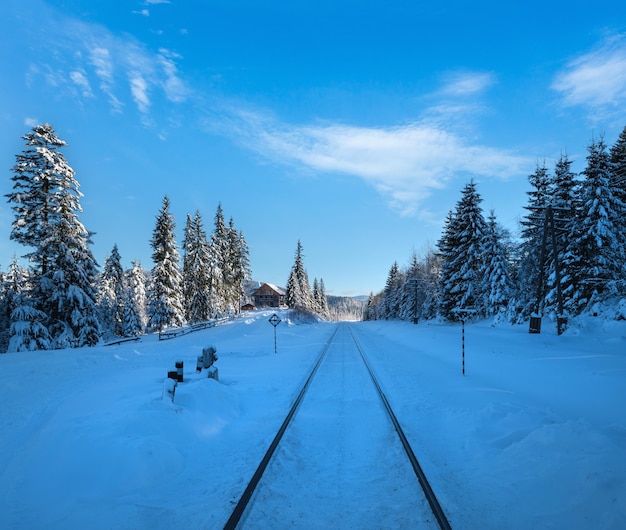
{"points": [[533, 436]]}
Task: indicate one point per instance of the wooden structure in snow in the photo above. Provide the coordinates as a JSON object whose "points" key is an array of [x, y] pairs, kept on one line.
{"points": [[268, 295]]}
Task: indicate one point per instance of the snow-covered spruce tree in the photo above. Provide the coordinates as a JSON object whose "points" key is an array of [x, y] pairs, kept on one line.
{"points": [[72, 302], [412, 292], [219, 253], [39, 174], [298, 288], [5, 315], [618, 187], [324, 310], [239, 266], [446, 246], [527, 274], [564, 197], [432, 266], [135, 319], [316, 296], [46, 203], [618, 172], [320, 301], [463, 257], [600, 244], [25, 329], [496, 275], [294, 295], [196, 271], [28, 333], [165, 307], [390, 306], [112, 294]]}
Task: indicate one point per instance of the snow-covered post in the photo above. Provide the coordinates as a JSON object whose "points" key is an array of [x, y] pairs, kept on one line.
{"points": [[179, 371], [169, 388], [209, 356]]}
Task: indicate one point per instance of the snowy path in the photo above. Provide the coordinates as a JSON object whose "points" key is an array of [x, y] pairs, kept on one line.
{"points": [[342, 441]]}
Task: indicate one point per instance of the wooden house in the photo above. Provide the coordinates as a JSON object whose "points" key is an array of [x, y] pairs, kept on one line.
{"points": [[268, 295]]}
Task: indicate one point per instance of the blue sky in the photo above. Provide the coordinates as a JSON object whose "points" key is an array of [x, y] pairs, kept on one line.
{"points": [[350, 125]]}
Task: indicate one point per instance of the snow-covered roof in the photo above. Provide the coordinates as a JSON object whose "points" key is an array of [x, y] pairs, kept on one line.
{"points": [[279, 290]]}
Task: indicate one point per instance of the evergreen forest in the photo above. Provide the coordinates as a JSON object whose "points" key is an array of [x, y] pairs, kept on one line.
{"points": [[570, 257]]}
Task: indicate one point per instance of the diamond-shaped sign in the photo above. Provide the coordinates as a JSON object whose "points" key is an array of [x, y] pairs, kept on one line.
{"points": [[274, 320]]}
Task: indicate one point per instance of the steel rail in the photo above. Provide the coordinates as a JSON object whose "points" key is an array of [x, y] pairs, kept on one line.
{"points": [[438, 512], [240, 508]]}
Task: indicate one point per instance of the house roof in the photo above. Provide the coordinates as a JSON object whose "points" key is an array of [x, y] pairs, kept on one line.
{"points": [[278, 290]]}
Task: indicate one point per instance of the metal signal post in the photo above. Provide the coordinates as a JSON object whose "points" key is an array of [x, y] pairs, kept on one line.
{"points": [[274, 321]]}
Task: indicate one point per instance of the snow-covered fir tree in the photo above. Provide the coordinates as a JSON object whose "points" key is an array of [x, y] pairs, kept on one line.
{"points": [[5, 314], [72, 284], [463, 257], [618, 172], [14, 283], [219, 253], [46, 203], [294, 295], [27, 331], [112, 293], [527, 274], [618, 188], [39, 173], [196, 271], [600, 245], [564, 198], [496, 274], [239, 266], [316, 296], [323, 299], [135, 319], [320, 301], [390, 305], [412, 292], [298, 287], [165, 306], [431, 271]]}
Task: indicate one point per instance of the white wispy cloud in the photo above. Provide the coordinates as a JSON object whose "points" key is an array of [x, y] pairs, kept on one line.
{"points": [[596, 79], [174, 88], [125, 68], [100, 59], [467, 83], [139, 90], [404, 163], [80, 80]]}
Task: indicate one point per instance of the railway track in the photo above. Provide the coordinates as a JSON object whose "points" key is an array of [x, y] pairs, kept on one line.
{"points": [[355, 445]]}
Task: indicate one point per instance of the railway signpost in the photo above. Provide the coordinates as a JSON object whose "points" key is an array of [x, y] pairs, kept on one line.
{"points": [[463, 313], [274, 321]]}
